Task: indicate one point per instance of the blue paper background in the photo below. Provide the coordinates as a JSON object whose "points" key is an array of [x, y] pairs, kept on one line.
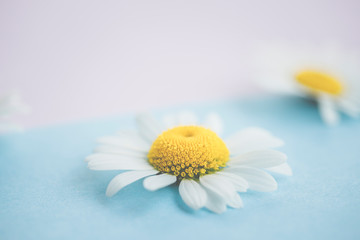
{"points": [[46, 191]]}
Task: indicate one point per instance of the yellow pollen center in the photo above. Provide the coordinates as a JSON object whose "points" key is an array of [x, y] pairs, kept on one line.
{"points": [[319, 81], [188, 152]]}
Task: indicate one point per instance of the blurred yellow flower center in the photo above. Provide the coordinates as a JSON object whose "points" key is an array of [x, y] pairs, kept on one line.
{"points": [[188, 152], [319, 81]]}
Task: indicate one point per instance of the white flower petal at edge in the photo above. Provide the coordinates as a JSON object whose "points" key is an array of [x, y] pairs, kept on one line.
{"points": [[182, 118], [215, 202], [126, 178], [327, 110], [186, 118], [259, 159], [148, 127], [349, 107], [213, 121], [99, 161], [109, 149], [258, 180], [240, 184], [284, 169], [250, 157], [126, 141], [235, 201], [219, 185], [154, 183], [192, 194], [251, 139]]}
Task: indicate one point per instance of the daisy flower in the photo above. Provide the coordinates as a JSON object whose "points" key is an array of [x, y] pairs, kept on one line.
{"points": [[10, 105], [208, 171], [327, 74]]}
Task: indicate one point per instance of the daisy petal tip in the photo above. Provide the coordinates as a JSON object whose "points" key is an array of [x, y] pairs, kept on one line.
{"points": [[236, 202], [108, 193], [218, 210], [279, 142], [101, 139], [273, 188], [283, 156], [283, 169], [90, 166], [157, 182], [330, 121], [287, 170], [192, 194], [148, 186], [111, 190], [194, 205]]}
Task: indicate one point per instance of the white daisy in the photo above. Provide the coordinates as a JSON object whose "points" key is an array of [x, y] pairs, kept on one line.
{"points": [[326, 73], [208, 170], [10, 105]]}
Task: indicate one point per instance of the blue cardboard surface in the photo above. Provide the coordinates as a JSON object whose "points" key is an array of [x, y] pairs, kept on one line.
{"points": [[47, 192]]}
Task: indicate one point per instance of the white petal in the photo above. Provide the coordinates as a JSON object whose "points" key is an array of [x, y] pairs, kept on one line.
{"points": [[213, 121], [131, 142], [148, 127], [192, 194], [328, 110], [284, 169], [180, 119], [258, 180], [251, 139], [219, 185], [170, 121], [111, 149], [186, 119], [235, 201], [215, 202], [124, 179], [114, 157], [349, 107], [240, 184], [102, 162], [154, 183], [259, 159]]}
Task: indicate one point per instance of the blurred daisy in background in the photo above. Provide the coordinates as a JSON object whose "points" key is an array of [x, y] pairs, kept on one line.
{"points": [[10, 105], [209, 171], [327, 74]]}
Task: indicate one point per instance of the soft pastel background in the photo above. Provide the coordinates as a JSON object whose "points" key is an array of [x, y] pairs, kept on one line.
{"points": [[79, 59], [76, 63]]}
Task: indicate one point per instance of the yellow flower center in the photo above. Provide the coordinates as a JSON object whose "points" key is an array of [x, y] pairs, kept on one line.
{"points": [[188, 152], [319, 81]]}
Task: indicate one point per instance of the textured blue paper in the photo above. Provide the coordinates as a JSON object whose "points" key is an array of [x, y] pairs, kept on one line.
{"points": [[46, 191]]}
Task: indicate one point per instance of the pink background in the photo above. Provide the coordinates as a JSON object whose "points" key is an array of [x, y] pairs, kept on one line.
{"points": [[74, 60]]}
